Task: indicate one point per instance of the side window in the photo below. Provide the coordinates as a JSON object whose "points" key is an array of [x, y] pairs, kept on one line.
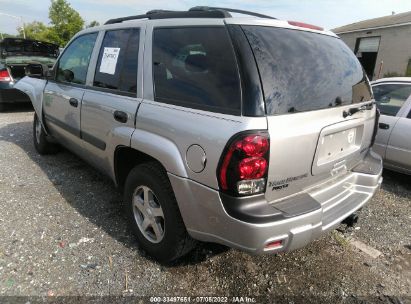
{"points": [[196, 67], [117, 62], [391, 97], [73, 64]]}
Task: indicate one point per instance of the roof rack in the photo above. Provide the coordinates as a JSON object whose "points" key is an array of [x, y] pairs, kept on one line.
{"points": [[229, 10], [194, 12]]}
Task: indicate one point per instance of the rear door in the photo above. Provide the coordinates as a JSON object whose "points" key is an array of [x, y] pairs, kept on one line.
{"points": [[110, 105], [390, 98], [64, 94], [319, 107]]}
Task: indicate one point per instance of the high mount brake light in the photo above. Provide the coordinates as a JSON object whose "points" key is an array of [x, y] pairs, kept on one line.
{"points": [[305, 25], [244, 165], [5, 75]]}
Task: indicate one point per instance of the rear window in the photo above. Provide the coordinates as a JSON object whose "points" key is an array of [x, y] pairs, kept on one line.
{"points": [[195, 67], [304, 71], [29, 47]]}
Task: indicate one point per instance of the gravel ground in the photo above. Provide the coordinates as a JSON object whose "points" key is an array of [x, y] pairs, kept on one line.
{"points": [[63, 233]]}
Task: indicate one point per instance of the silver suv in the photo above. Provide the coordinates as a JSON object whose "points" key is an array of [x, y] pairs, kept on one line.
{"points": [[250, 132]]}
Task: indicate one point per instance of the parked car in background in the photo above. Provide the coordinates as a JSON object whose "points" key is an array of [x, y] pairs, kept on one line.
{"points": [[15, 55], [393, 141], [218, 128]]}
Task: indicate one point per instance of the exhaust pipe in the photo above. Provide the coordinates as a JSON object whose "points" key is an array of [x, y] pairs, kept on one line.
{"points": [[352, 220]]}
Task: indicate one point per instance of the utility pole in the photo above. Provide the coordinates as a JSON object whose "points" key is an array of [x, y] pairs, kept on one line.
{"points": [[18, 18]]}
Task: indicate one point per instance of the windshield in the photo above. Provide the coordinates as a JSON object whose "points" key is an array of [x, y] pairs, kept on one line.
{"points": [[305, 71], [13, 47]]}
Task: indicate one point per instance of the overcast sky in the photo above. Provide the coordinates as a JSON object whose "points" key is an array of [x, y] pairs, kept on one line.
{"points": [[326, 13]]}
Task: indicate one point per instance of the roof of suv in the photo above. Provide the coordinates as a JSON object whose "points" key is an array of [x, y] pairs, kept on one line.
{"points": [[216, 13]]}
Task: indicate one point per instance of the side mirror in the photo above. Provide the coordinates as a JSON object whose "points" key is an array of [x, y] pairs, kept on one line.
{"points": [[68, 75], [51, 73]]}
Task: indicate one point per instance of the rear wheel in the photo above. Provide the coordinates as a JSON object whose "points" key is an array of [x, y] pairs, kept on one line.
{"points": [[42, 145], [154, 215]]}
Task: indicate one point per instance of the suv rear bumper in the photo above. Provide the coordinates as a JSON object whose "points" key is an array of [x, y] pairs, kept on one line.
{"points": [[295, 221]]}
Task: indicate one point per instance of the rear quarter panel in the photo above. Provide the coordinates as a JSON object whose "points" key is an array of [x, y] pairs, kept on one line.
{"points": [[167, 131]]}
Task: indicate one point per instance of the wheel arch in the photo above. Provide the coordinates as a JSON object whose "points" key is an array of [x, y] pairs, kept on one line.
{"points": [[34, 89], [125, 159], [147, 147]]}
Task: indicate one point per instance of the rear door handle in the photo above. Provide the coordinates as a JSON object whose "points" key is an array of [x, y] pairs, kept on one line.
{"points": [[120, 116], [383, 126], [73, 102]]}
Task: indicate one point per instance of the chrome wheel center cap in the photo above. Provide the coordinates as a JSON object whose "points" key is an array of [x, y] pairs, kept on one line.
{"points": [[149, 212]]}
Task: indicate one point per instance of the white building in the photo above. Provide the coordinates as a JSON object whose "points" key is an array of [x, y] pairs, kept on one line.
{"points": [[383, 45]]}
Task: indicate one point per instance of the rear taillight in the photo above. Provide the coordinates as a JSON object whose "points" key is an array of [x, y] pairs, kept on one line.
{"points": [[377, 120], [305, 25], [244, 164], [5, 76]]}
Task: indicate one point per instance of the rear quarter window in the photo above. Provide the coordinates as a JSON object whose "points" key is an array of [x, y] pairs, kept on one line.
{"points": [[196, 68], [305, 71]]}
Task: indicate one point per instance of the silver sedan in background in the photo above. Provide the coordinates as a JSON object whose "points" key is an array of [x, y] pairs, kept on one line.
{"points": [[393, 141]]}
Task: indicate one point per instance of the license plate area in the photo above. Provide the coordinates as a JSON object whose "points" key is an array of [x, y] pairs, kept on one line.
{"points": [[334, 146]]}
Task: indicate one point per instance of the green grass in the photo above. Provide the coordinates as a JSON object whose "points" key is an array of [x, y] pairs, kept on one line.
{"points": [[408, 72], [340, 239]]}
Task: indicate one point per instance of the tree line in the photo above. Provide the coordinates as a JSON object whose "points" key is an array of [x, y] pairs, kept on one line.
{"points": [[65, 22]]}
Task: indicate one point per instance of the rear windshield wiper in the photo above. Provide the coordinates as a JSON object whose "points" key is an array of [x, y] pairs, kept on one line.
{"points": [[352, 111]]}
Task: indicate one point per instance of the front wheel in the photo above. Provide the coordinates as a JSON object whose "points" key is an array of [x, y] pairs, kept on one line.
{"points": [[154, 215], [42, 145]]}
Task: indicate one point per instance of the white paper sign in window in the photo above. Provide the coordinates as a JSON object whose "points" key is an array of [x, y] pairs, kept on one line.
{"points": [[109, 60]]}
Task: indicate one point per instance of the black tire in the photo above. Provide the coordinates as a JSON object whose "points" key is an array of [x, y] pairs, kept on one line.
{"points": [[175, 242], [2, 107], [42, 145]]}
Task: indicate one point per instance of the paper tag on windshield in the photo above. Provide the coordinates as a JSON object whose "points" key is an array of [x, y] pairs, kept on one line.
{"points": [[109, 60]]}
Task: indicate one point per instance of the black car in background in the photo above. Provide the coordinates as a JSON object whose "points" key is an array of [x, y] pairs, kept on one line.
{"points": [[15, 55]]}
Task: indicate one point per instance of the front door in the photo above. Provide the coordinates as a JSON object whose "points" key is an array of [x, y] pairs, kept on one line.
{"points": [[399, 145], [63, 95], [390, 98]]}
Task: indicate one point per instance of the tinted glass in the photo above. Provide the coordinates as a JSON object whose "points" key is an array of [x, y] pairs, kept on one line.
{"points": [[73, 64], [117, 62], [391, 97], [304, 71], [196, 67]]}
